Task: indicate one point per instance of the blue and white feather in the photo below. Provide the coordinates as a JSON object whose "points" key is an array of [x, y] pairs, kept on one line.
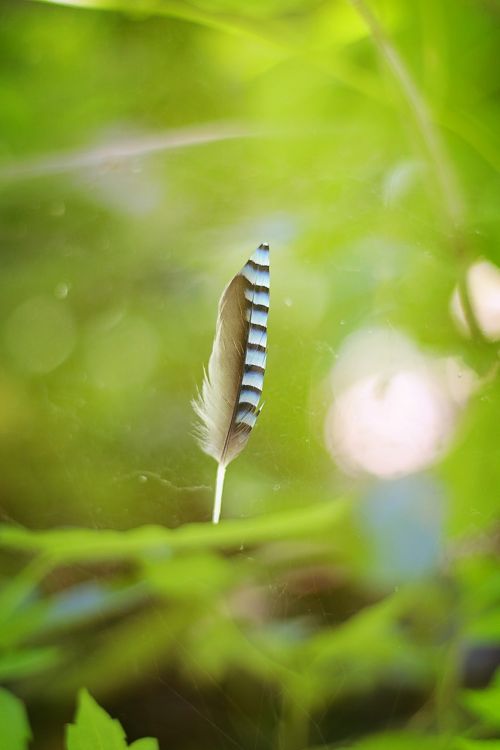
{"points": [[228, 405]]}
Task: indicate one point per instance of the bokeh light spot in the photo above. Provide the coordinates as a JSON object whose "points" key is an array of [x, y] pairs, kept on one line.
{"points": [[395, 409], [122, 355], [40, 334], [483, 281], [402, 521]]}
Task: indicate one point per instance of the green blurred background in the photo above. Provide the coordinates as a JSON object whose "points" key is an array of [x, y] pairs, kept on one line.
{"points": [[146, 149]]}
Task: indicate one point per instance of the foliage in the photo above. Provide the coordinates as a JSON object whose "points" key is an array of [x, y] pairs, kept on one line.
{"points": [[13, 721], [93, 728]]}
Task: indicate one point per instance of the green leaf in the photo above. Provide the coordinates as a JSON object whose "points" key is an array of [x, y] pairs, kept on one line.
{"points": [[399, 741], [485, 704], [193, 577], [463, 744], [147, 743], [371, 638], [94, 729], [23, 663], [156, 542], [15, 728]]}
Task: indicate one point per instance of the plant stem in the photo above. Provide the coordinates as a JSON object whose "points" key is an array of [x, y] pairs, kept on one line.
{"points": [[453, 204], [293, 728]]}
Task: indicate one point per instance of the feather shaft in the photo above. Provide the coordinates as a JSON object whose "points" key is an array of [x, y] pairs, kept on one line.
{"points": [[219, 486]]}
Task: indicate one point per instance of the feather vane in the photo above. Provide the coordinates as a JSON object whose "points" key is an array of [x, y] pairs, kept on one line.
{"points": [[228, 405]]}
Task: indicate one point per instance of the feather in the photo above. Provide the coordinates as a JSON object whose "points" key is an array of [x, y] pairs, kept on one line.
{"points": [[228, 405]]}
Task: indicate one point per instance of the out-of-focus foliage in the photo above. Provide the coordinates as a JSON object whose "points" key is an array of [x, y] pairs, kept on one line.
{"points": [[93, 728], [351, 595], [13, 721]]}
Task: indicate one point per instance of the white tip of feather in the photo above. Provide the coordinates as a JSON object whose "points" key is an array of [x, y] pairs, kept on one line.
{"points": [[261, 255]]}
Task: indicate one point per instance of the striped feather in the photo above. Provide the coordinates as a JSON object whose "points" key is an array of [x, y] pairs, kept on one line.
{"points": [[228, 405]]}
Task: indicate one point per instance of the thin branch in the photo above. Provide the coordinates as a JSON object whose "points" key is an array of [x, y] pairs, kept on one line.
{"points": [[452, 200], [224, 22], [125, 149]]}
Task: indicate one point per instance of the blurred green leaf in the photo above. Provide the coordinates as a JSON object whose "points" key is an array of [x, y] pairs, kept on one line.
{"points": [[485, 704], [73, 545], [194, 577], [14, 727], [369, 648], [27, 662], [474, 511], [127, 651], [21, 624], [399, 741]]}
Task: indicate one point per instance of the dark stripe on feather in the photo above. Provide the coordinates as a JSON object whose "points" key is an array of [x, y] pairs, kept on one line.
{"points": [[253, 388], [257, 266], [245, 407]]}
